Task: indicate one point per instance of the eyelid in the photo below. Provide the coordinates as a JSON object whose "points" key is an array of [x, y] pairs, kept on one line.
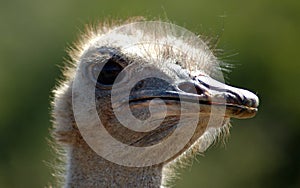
{"points": [[101, 57], [94, 70]]}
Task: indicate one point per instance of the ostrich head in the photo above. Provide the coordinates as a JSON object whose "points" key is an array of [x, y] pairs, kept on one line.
{"points": [[153, 88]]}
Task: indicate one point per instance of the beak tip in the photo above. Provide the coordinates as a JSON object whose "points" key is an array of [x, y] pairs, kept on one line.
{"points": [[249, 98]]}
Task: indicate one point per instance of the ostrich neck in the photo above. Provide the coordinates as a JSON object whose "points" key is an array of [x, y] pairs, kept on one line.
{"points": [[87, 169]]}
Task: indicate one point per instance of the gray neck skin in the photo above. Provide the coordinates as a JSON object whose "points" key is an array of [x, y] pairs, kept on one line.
{"points": [[87, 169]]}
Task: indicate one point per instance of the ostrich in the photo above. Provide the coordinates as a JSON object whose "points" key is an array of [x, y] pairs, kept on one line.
{"points": [[155, 77]]}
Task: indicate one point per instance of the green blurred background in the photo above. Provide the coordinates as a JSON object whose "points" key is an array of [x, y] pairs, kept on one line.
{"points": [[262, 152]]}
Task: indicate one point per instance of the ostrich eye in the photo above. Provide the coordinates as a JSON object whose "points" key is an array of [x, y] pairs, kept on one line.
{"points": [[109, 73]]}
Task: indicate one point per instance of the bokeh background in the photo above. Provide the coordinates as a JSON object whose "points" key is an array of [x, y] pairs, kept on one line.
{"points": [[260, 38]]}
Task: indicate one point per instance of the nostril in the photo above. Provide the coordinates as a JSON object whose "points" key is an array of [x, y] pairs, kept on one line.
{"points": [[187, 87], [190, 87]]}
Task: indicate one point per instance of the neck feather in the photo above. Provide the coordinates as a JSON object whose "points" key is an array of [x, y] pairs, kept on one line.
{"points": [[87, 169]]}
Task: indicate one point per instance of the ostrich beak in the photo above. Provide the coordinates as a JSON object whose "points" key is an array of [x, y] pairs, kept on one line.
{"points": [[239, 103], [204, 90]]}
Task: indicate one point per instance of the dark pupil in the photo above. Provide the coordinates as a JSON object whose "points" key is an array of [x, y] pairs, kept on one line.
{"points": [[109, 73]]}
